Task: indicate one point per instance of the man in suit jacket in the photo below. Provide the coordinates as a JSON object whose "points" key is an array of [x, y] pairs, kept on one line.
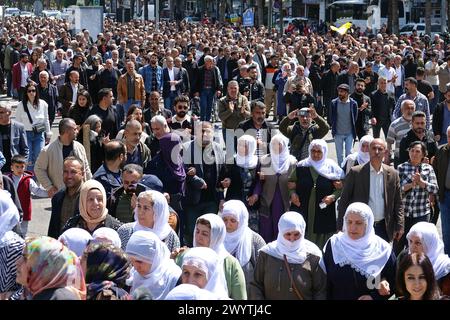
{"points": [[172, 83], [377, 185], [68, 93], [130, 88]]}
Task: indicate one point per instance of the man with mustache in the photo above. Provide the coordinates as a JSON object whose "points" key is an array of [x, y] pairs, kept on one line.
{"points": [[418, 133], [364, 109]]}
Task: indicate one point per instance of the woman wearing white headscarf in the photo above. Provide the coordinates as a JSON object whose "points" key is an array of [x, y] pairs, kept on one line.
{"points": [[356, 260], [76, 239], [152, 266], [239, 178], [360, 157], [210, 232], [11, 245], [271, 187], [288, 268], [151, 214], [186, 291], [240, 241], [314, 192], [423, 237], [107, 235], [203, 267]]}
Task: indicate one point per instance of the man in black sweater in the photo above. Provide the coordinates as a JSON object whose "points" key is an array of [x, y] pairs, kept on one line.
{"points": [[383, 104], [364, 109]]}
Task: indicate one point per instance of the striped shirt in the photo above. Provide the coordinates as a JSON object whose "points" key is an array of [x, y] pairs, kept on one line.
{"points": [[397, 130], [10, 252]]}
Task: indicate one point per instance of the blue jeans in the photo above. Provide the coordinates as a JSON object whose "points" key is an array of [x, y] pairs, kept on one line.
{"points": [[206, 104], [445, 220], [168, 101], [128, 104], [36, 143], [339, 141], [398, 92]]}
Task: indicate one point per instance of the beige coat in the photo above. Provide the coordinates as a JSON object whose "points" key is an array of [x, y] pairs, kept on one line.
{"points": [[49, 164]]}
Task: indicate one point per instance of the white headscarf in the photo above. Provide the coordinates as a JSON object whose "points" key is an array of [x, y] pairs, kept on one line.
{"points": [[250, 160], [161, 213], [327, 168], [108, 234], [238, 243], [433, 247], [297, 251], [367, 255], [164, 273], [187, 291], [217, 234], [76, 239], [360, 156], [9, 217], [211, 264], [280, 162]]}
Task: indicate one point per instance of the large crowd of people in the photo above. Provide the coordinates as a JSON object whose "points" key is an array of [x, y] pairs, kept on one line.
{"points": [[190, 163]]}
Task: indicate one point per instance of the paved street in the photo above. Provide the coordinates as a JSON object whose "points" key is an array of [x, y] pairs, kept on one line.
{"points": [[42, 207]]}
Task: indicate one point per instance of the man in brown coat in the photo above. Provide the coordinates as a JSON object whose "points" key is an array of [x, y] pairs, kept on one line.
{"points": [[130, 88], [377, 185]]}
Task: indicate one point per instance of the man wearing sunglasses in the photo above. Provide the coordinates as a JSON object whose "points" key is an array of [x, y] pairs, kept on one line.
{"points": [[182, 122]]}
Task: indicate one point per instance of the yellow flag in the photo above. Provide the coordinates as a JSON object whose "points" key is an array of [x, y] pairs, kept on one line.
{"points": [[342, 29]]}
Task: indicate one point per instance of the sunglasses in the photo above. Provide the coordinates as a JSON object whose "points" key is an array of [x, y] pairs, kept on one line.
{"points": [[183, 108], [32, 90]]}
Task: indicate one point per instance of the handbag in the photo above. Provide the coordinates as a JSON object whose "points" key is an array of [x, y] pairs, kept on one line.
{"points": [[293, 286], [36, 127]]}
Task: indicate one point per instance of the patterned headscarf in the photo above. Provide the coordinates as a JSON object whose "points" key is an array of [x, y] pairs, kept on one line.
{"points": [[106, 262], [50, 264]]}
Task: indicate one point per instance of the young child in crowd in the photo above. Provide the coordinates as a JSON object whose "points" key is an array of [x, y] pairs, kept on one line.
{"points": [[25, 187]]}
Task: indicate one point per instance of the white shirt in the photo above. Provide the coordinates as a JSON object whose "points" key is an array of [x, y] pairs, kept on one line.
{"points": [[388, 73], [172, 78], [376, 193], [24, 75], [398, 81], [74, 92], [433, 80]]}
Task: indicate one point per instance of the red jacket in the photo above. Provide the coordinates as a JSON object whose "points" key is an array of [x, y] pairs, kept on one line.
{"points": [[17, 74], [23, 190]]}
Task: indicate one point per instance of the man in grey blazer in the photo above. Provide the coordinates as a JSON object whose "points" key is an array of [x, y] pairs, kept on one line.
{"points": [[377, 185]]}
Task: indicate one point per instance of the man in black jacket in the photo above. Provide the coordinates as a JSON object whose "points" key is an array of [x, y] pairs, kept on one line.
{"points": [[364, 109], [315, 74], [256, 88], [49, 93], [383, 104], [440, 121], [329, 87], [418, 133], [191, 67]]}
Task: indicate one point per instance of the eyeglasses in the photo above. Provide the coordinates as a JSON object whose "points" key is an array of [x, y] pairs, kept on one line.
{"points": [[31, 90]]}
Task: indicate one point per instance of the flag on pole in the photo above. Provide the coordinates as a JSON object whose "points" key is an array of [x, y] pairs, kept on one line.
{"points": [[342, 29]]}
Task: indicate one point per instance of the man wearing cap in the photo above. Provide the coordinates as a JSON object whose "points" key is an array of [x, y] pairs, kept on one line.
{"points": [[343, 116], [302, 126], [21, 71]]}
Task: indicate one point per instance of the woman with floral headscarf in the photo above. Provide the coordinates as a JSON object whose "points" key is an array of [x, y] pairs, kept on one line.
{"points": [[106, 269], [357, 261], [11, 244], [93, 212], [152, 266], [288, 268], [314, 192], [48, 270]]}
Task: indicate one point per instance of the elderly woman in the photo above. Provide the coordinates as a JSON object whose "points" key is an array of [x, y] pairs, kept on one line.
{"points": [[288, 268], [271, 187], [107, 235], [360, 157], [93, 211], [357, 257], [240, 241], [152, 266], [423, 237], [106, 268], [314, 192], [240, 177], [186, 291], [11, 245], [418, 183], [416, 279], [210, 232], [76, 239], [203, 267], [151, 214], [48, 270]]}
